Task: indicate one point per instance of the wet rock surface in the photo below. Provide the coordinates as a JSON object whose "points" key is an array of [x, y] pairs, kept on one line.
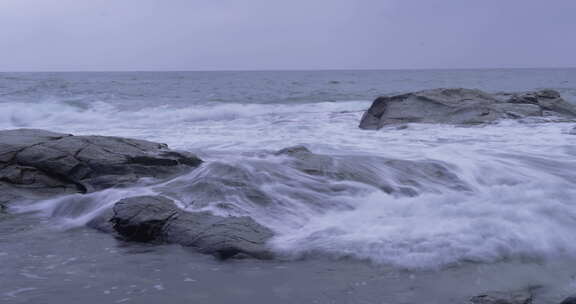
{"points": [[157, 219], [463, 106], [393, 176], [516, 297], [38, 163]]}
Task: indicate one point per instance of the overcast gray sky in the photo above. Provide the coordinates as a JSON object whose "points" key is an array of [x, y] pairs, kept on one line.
{"points": [[290, 34]]}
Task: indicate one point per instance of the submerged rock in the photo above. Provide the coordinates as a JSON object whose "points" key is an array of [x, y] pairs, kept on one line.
{"points": [[393, 176], [293, 150], [517, 297], [158, 219], [463, 106], [37, 163]]}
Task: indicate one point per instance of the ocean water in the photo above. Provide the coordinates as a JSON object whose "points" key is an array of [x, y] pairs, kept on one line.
{"points": [[505, 217]]}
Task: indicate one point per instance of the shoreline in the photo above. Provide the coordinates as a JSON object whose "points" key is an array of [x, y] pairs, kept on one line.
{"points": [[315, 200]]}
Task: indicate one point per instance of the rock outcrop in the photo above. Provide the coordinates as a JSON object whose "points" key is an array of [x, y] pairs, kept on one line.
{"points": [[158, 219], [463, 106], [39, 163]]}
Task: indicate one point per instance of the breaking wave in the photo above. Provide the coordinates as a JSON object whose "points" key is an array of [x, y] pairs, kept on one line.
{"points": [[416, 196], [406, 213]]}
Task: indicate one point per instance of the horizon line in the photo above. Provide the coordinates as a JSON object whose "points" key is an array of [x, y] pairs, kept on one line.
{"points": [[282, 70]]}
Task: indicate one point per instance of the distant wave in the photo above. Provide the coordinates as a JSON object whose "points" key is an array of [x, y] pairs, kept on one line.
{"points": [[72, 116]]}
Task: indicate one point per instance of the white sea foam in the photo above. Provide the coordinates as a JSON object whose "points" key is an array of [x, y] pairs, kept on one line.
{"points": [[521, 178], [179, 126], [433, 230]]}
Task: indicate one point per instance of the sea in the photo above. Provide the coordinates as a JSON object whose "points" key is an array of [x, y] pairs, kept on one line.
{"points": [[341, 238]]}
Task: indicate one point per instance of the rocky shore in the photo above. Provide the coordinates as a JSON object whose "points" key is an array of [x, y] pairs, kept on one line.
{"points": [[38, 164]]}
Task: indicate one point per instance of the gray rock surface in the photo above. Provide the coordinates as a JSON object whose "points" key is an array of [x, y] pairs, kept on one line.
{"points": [[516, 297], [548, 100], [39, 163], [463, 106], [158, 219], [394, 176]]}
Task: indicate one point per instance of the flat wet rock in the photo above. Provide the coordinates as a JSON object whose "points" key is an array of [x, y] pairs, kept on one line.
{"points": [[157, 219], [463, 106], [38, 163]]}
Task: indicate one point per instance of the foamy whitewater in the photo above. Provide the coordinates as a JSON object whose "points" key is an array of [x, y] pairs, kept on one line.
{"points": [[518, 205]]}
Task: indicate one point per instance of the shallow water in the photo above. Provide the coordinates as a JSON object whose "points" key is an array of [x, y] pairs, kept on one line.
{"points": [[42, 264], [499, 215]]}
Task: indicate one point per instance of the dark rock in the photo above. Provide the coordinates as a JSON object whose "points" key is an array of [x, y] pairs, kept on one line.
{"points": [[37, 163], [517, 297], [463, 106], [569, 300], [158, 219]]}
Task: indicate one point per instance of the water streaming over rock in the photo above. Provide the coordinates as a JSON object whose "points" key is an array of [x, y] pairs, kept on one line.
{"points": [[418, 197]]}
